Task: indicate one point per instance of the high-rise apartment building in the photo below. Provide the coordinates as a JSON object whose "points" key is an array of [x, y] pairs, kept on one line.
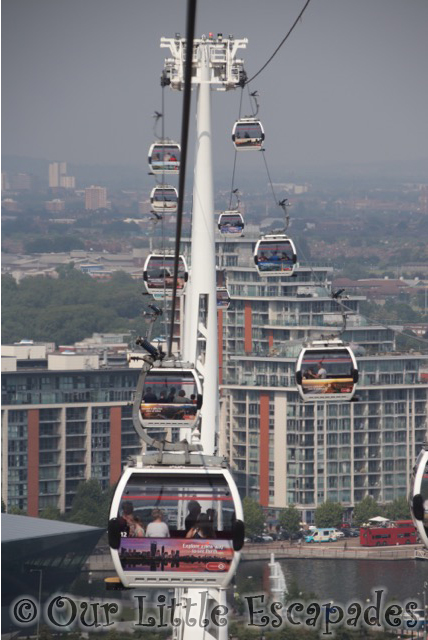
{"points": [[292, 452], [65, 418], [58, 177], [95, 198]]}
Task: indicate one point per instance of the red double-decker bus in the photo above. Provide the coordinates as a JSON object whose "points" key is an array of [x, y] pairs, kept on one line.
{"points": [[399, 532]]}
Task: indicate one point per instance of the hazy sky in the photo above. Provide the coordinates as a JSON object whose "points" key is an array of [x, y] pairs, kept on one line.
{"points": [[80, 78]]}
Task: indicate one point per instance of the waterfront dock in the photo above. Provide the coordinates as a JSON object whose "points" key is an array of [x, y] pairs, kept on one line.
{"points": [[348, 549]]}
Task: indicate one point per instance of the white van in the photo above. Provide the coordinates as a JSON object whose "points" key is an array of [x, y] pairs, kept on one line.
{"points": [[322, 535]]}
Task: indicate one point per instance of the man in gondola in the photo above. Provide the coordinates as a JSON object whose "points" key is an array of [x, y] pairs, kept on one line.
{"points": [[194, 509], [321, 373], [149, 396]]}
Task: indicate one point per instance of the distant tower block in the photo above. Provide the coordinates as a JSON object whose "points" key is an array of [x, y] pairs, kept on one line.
{"points": [[58, 176], [95, 198]]}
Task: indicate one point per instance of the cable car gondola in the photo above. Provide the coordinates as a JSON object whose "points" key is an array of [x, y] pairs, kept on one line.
{"points": [[164, 157], [171, 397], [419, 496], [231, 222], [223, 298], [164, 199], [275, 255], [326, 370], [248, 134], [176, 526], [158, 275]]}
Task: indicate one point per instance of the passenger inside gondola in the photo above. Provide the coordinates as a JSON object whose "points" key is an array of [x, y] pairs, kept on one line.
{"points": [[171, 507], [167, 397], [327, 372], [157, 528], [276, 258], [203, 528], [129, 522]]}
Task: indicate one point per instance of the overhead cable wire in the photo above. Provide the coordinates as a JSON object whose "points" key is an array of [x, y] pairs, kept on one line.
{"points": [[236, 153], [269, 178], [280, 44], [187, 93]]}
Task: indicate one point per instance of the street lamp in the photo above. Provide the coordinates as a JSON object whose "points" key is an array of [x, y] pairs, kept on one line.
{"points": [[40, 572]]}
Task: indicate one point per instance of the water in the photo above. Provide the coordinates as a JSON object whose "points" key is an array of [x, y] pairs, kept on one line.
{"points": [[341, 580]]}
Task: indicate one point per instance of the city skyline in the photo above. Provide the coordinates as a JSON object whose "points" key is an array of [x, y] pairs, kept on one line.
{"points": [[347, 87]]}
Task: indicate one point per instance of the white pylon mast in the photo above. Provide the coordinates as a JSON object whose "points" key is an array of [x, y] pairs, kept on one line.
{"points": [[201, 303], [214, 65]]}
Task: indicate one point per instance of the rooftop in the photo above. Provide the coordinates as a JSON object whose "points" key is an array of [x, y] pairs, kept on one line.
{"points": [[14, 528]]}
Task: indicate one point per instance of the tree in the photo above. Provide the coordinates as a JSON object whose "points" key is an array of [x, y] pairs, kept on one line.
{"points": [[90, 505], [328, 514], [289, 519], [398, 509], [16, 511], [51, 513], [253, 517], [366, 509]]}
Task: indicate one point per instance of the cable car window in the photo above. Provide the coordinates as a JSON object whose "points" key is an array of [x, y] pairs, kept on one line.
{"points": [[275, 256], [170, 398], [248, 134], [231, 222], [164, 158], [164, 199], [176, 523], [223, 298], [327, 371], [159, 274]]}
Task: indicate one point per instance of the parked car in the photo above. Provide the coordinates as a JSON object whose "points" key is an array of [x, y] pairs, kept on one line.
{"points": [[266, 538], [351, 533], [283, 535], [339, 533]]}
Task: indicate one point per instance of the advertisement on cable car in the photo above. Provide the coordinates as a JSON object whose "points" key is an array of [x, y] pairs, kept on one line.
{"points": [[327, 372], [169, 399], [171, 523], [165, 554], [275, 256]]}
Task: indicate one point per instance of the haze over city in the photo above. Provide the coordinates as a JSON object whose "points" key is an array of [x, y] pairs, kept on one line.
{"points": [[81, 79]]}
